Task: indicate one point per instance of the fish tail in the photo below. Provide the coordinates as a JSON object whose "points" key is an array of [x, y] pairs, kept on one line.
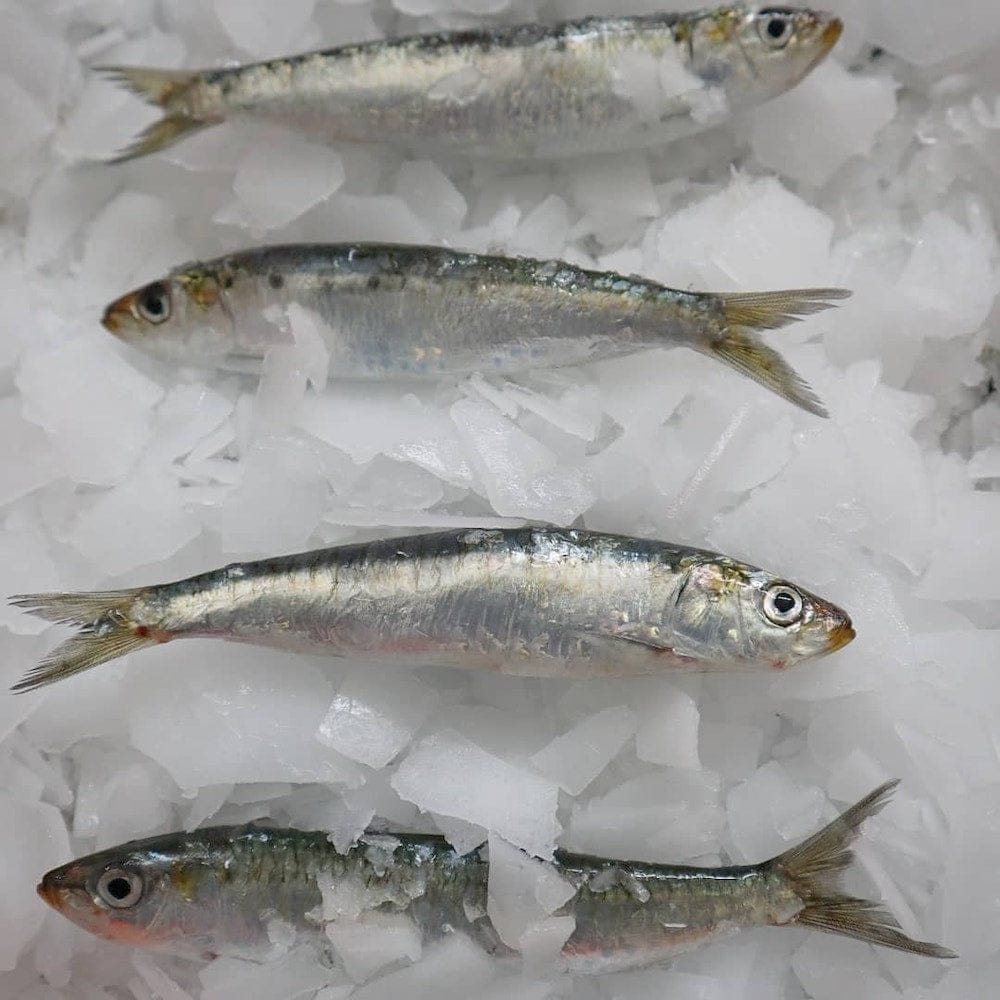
{"points": [[741, 348], [167, 89], [107, 630], [815, 868]]}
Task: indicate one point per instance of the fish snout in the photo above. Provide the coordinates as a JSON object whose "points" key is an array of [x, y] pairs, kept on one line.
{"points": [[54, 888], [836, 624], [120, 314], [840, 635], [831, 32]]}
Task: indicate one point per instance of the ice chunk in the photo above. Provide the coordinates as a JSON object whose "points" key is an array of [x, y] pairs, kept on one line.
{"points": [[87, 708], [119, 795], [464, 837], [522, 477], [60, 205], [208, 801], [578, 756], [394, 486], [289, 977], [374, 941], [731, 749], [450, 969], [345, 817], [131, 240], [261, 28], [449, 774], [770, 811], [281, 178], [382, 217], [36, 56], [161, 986], [94, 407], [736, 235], [25, 454], [938, 35], [26, 120], [311, 352], [141, 521], [544, 230], [985, 464], [668, 816], [32, 840], [613, 192], [576, 409], [279, 501], [522, 893], [949, 281], [970, 920], [186, 416], [431, 196], [668, 727], [250, 717], [371, 420], [852, 108], [965, 552], [830, 968], [373, 717]]}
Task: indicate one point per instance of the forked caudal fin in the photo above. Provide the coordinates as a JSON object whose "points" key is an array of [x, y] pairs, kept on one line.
{"points": [[814, 869], [740, 348], [167, 89], [106, 632]]}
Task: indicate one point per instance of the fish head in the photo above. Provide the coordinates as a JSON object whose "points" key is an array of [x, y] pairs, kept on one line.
{"points": [[155, 894], [734, 614], [183, 318], [756, 52]]}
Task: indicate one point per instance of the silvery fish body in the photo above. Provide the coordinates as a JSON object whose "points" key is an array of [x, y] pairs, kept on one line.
{"points": [[389, 311], [599, 84], [540, 602], [219, 892]]}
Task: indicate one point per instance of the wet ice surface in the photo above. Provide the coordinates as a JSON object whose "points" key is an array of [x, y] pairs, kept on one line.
{"points": [[878, 174]]}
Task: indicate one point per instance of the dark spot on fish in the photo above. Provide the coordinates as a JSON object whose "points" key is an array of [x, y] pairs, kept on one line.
{"points": [[373, 282], [227, 280], [141, 631], [275, 280]]}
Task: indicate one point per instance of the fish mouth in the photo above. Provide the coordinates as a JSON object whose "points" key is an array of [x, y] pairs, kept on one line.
{"points": [[56, 888], [110, 321], [120, 312], [839, 637], [831, 35], [50, 893]]}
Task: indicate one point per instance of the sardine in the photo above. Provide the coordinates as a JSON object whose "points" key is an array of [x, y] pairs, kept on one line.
{"points": [[214, 892], [416, 311], [599, 84], [536, 602]]}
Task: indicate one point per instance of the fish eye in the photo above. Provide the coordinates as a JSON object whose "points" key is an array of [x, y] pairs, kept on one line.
{"points": [[154, 302], [775, 28], [782, 604], [119, 888]]}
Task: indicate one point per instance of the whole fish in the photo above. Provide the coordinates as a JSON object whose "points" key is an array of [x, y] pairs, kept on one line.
{"points": [[599, 84], [416, 311], [215, 891], [537, 602]]}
